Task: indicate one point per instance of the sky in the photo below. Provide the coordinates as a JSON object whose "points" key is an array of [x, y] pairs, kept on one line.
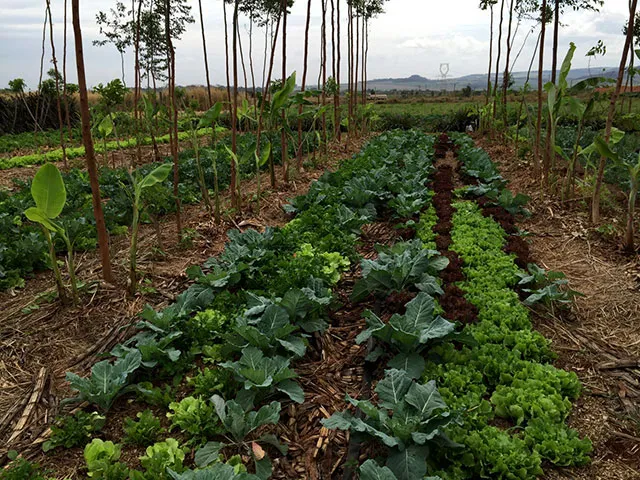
{"points": [[411, 37]]}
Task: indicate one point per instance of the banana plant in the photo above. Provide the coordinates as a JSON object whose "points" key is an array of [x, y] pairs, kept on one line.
{"points": [[210, 118], [49, 194], [156, 176], [261, 160], [633, 168], [105, 128], [192, 124], [242, 160], [556, 99]]}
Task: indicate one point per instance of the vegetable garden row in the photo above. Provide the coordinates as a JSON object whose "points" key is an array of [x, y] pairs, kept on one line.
{"points": [[23, 247], [456, 383]]}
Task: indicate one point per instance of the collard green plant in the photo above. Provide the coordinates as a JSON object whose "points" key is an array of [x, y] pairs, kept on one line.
{"points": [[50, 196], [546, 287], [404, 265], [107, 381], [156, 176], [263, 376], [409, 417], [408, 333]]}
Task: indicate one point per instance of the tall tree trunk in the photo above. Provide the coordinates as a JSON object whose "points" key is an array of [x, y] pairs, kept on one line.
{"points": [[356, 47], [242, 62], [265, 91], [137, 87], [235, 201], [103, 237], [595, 202], [64, 75], [226, 50], [524, 97], [350, 64], [206, 59], [505, 79], [174, 111], [336, 100], [324, 74], [58, 101], [305, 65], [490, 57], [548, 148], [495, 86], [536, 150], [283, 135], [253, 75]]}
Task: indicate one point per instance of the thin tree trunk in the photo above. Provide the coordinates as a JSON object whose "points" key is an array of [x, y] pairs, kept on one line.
{"points": [[137, 81], [356, 47], [242, 62], [495, 86], [548, 148], [206, 59], [324, 74], [235, 201], [174, 126], [505, 80], [338, 61], [595, 202], [524, 97], [283, 135], [253, 76], [226, 50], [304, 81], [490, 57], [58, 102], [64, 75], [37, 118], [103, 237], [536, 156], [272, 171]]}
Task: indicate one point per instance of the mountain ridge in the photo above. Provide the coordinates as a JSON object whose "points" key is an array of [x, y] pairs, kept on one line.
{"points": [[479, 81]]}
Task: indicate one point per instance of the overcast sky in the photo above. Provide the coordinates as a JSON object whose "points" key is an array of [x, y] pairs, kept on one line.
{"points": [[411, 37]]}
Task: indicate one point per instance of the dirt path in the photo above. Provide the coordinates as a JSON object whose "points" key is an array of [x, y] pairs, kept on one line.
{"points": [[605, 326]]}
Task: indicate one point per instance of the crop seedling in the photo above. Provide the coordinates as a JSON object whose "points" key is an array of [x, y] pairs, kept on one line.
{"points": [[74, 430], [144, 431], [156, 176], [49, 193], [102, 461]]}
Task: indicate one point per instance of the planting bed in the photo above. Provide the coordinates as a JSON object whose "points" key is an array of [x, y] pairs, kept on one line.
{"points": [[393, 284]]}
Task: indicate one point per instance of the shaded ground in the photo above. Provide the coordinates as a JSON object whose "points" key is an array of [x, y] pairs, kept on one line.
{"points": [[602, 332]]}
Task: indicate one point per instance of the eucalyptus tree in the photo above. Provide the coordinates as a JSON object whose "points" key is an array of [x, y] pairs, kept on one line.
{"points": [[495, 83], [115, 27], [206, 59], [544, 16], [305, 65], [103, 238], [484, 5]]}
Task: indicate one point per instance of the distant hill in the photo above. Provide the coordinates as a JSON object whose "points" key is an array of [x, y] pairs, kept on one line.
{"points": [[479, 81]]}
